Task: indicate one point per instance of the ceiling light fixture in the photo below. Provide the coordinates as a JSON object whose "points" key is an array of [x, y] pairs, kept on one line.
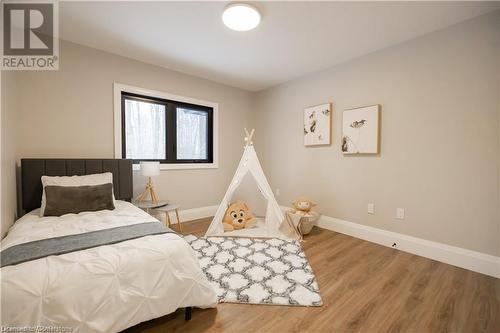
{"points": [[241, 17]]}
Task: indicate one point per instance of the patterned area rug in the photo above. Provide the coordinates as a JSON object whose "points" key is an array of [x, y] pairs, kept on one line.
{"points": [[257, 271]]}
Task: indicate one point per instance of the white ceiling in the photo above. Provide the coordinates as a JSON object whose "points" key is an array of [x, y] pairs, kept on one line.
{"points": [[294, 38]]}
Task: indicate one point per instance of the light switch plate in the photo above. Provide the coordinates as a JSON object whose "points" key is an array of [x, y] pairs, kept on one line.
{"points": [[400, 213], [371, 208]]}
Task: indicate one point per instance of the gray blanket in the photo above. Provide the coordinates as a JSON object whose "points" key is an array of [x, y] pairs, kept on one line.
{"points": [[59, 245]]}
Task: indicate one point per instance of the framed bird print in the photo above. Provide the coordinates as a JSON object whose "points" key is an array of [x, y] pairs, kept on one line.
{"points": [[360, 130], [317, 125]]}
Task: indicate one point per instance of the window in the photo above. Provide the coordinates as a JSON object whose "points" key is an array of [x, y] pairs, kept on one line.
{"points": [[145, 129], [165, 130]]}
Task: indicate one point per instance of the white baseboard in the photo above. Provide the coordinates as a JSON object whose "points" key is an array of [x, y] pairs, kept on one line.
{"points": [[456, 256], [196, 213]]}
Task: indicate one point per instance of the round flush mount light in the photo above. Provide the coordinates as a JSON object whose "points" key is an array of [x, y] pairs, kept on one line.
{"points": [[241, 17]]}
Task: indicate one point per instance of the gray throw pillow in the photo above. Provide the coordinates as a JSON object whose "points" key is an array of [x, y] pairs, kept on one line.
{"points": [[76, 199]]}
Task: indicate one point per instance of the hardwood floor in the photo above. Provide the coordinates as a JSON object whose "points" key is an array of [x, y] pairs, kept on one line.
{"points": [[365, 288]]}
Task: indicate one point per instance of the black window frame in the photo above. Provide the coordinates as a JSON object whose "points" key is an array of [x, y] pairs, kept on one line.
{"points": [[171, 128]]}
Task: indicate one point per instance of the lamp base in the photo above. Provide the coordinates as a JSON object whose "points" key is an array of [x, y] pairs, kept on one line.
{"points": [[148, 190]]}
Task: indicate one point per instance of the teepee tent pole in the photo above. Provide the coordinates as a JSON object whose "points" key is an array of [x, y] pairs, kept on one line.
{"points": [[248, 138]]}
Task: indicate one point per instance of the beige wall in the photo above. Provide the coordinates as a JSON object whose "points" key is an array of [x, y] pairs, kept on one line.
{"points": [[69, 113], [8, 166], [440, 132]]}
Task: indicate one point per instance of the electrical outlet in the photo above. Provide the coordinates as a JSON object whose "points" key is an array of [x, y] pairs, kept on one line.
{"points": [[400, 213], [371, 208], [278, 192]]}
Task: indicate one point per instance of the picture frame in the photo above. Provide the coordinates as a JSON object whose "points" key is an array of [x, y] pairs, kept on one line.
{"points": [[318, 125], [360, 130]]}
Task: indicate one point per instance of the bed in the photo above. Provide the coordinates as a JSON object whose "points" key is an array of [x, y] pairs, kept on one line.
{"points": [[100, 289]]}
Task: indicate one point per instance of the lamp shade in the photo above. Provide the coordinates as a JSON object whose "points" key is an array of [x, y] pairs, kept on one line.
{"points": [[150, 169]]}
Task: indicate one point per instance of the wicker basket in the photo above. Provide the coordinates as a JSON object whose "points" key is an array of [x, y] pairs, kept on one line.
{"points": [[307, 223]]}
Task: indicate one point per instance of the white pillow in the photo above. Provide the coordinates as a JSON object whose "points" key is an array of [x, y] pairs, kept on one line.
{"points": [[87, 180]]}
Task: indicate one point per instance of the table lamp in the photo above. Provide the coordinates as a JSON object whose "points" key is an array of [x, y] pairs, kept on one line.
{"points": [[149, 169]]}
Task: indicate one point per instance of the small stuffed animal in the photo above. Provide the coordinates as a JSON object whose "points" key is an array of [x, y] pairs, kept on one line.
{"points": [[302, 205], [238, 216]]}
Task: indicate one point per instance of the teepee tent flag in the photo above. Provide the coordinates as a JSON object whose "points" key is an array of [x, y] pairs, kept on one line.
{"points": [[274, 223]]}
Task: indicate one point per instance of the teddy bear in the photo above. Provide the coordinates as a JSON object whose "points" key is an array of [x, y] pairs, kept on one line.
{"points": [[238, 216], [303, 206]]}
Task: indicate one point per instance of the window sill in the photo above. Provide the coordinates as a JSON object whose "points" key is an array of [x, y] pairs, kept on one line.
{"points": [[182, 166]]}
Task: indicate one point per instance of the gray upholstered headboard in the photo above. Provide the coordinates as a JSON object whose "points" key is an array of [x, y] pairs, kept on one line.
{"points": [[32, 169]]}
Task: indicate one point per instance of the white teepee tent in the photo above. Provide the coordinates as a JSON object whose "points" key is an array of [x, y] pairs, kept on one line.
{"points": [[274, 223]]}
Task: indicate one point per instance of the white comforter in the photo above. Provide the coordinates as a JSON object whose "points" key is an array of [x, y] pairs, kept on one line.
{"points": [[103, 289]]}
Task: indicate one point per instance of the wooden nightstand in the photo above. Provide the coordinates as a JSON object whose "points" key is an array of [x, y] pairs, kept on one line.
{"points": [[167, 209]]}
